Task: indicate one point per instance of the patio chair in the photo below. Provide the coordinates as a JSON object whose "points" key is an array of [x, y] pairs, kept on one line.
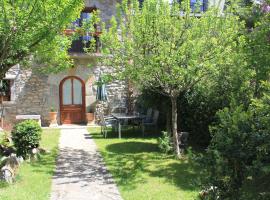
{"points": [[183, 141], [148, 117], [154, 120], [105, 123]]}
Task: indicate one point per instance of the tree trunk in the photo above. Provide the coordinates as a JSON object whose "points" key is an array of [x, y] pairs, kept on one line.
{"points": [[174, 126]]}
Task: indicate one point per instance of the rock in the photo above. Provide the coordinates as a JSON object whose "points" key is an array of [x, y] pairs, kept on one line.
{"points": [[7, 174], [34, 151], [20, 159], [43, 151], [13, 162], [8, 171], [34, 155]]}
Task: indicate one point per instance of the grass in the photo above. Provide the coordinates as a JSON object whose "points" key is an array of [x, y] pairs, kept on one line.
{"points": [[34, 179], [142, 172]]}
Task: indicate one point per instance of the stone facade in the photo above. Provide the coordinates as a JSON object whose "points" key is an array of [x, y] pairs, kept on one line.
{"points": [[36, 94], [33, 93]]}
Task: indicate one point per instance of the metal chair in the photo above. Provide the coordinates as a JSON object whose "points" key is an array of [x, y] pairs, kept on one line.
{"points": [[148, 117], [106, 122], [154, 120], [183, 141]]}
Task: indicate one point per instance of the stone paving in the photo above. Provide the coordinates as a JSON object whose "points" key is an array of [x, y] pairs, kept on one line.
{"points": [[80, 172]]}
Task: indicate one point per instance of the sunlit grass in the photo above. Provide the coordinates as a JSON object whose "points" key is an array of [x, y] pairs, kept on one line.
{"points": [[34, 179], [142, 172]]}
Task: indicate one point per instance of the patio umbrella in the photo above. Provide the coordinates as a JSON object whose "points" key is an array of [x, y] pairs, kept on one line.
{"points": [[101, 90]]}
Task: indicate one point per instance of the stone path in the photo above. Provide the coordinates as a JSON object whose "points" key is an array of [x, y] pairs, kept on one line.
{"points": [[80, 172]]}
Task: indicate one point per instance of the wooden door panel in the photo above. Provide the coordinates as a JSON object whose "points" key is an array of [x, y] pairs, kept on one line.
{"points": [[72, 113]]}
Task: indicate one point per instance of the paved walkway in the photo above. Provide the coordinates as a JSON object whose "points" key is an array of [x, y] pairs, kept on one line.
{"points": [[80, 173]]}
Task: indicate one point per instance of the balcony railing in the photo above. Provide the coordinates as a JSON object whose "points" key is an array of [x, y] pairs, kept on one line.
{"points": [[79, 45]]}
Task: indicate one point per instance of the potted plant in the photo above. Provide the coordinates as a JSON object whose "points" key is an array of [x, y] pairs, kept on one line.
{"points": [[53, 116], [90, 116]]}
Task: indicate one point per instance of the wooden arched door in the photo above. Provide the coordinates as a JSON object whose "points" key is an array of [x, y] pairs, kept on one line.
{"points": [[72, 100]]}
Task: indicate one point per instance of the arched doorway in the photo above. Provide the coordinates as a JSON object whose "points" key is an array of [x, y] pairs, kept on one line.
{"points": [[72, 100]]}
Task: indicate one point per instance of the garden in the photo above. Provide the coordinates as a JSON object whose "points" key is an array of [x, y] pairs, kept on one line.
{"points": [[206, 72], [28, 176], [141, 171]]}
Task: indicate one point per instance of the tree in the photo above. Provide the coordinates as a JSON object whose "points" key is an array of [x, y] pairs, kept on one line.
{"points": [[167, 48], [34, 28], [258, 46]]}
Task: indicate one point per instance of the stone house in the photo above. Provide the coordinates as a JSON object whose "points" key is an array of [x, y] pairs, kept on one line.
{"points": [[72, 92]]}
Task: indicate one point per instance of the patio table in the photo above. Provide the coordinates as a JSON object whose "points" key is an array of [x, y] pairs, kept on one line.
{"points": [[122, 117]]}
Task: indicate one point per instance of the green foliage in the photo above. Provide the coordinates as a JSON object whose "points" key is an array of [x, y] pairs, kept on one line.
{"points": [[26, 136], [238, 150], [53, 109], [258, 47], [165, 143], [33, 28], [166, 52], [5, 139], [34, 179], [138, 166], [160, 49]]}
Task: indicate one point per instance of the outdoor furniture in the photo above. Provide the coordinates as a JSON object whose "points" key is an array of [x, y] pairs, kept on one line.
{"points": [[106, 122], [123, 117], [148, 117], [183, 141], [153, 121]]}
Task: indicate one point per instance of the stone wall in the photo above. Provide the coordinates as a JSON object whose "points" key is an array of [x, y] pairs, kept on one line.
{"points": [[27, 97], [35, 93], [106, 7], [116, 90]]}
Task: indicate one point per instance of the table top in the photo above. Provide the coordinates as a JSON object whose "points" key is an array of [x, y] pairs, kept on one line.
{"points": [[126, 116]]}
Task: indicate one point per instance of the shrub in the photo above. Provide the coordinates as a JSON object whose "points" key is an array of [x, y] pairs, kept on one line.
{"points": [[238, 151], [164, 143], [26, 136]]}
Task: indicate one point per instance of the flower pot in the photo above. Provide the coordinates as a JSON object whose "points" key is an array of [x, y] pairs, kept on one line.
{"points": [[90, 118], [53, 118]]}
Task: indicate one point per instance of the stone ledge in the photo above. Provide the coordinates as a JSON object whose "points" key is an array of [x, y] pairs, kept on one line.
{"points": [[28, 117]]}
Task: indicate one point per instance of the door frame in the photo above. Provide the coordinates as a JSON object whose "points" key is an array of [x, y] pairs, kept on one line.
{"points": [[61, 96]]}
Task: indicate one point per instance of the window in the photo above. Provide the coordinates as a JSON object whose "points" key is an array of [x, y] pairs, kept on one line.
{"points": [[72, 92], [5, 90], [195, 4]]}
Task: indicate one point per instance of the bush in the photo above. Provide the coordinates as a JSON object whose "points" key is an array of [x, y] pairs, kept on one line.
{"points": [[164, 143], [238, 151], [26, 136]]}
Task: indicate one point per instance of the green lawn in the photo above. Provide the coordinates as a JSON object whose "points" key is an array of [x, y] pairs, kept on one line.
{"points": [[142, 172], [34, 179]]}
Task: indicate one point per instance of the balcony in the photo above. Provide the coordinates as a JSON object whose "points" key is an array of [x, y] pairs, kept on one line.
{"points": [[79, 45]]}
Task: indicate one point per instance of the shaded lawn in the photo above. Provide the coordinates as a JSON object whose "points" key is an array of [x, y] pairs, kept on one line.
{"points": [[142, 172], [34, 179]]}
